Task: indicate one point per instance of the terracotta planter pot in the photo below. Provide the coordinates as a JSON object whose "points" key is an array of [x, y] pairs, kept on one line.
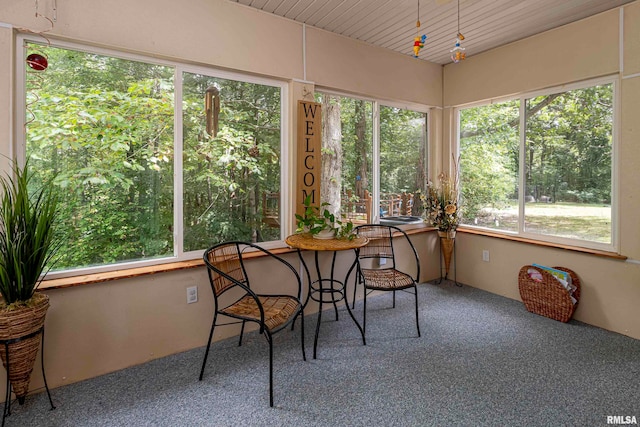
{"points": [[21, 323]]}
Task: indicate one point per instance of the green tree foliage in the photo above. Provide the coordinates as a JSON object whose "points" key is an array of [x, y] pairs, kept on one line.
{"points": [[108, 140], [488, 157], [569, 146], [104, 127], [225, 177], [568, 150], [402, 150], [356, 121]]}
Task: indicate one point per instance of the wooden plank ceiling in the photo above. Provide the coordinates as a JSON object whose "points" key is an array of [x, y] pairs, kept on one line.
{"points": [[391, 24]]}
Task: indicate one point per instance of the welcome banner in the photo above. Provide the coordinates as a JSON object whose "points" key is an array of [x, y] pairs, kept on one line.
{"points": [[309, 154]]}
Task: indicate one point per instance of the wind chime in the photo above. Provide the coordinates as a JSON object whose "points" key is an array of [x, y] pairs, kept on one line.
{"points": [[37, 60], [418, 41], [212, 109], [457, 53]]}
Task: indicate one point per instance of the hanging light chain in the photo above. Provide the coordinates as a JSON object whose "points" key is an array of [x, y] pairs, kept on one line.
{"points": [[458, 16], [54, 8]]}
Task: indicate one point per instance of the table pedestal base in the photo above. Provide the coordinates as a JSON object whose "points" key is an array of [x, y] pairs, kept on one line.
{"points": [[333, 289]]}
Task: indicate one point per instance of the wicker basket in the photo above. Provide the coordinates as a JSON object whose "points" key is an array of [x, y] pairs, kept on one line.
{"points": [[548, 297]]}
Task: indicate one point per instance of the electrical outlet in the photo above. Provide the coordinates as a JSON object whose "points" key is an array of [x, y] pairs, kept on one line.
{"points": [[382, 261], [485, 255], [192, 294]]}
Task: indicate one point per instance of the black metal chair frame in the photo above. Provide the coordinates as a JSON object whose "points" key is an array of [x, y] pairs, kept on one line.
{"points": [[391, 264], [245, 286]]}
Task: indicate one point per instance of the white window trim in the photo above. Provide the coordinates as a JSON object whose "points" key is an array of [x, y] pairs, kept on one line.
{"points": [[375, 164], [614, 80], [286, 217], [376, 104], [286, 173]]}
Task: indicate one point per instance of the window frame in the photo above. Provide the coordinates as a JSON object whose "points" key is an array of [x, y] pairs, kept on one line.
{"points": [[375, 135], [18, 148], [613, 246]]}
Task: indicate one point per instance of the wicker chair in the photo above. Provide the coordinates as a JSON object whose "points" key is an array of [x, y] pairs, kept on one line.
{"points": [[271, 312], [377, 269]]}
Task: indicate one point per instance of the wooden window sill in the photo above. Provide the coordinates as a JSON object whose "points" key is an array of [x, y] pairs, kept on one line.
{"points": [[67, 282], [86, 279]]}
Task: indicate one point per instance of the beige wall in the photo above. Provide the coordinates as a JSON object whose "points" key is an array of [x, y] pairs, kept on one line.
{"points": [[631, 39], [578, 51], [6, 81], [338, 62], [100, 328], [213, 32], [574, 52], [629, 166], [609, 289]]}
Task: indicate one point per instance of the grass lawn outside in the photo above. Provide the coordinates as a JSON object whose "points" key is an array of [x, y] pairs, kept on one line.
{"points": [[570, 220]]}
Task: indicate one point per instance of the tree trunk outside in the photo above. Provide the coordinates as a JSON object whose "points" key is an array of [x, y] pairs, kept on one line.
{"points": [[331, 153]]}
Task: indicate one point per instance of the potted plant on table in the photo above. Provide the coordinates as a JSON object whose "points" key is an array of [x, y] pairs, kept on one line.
{"points": [[321, 223], [27, 244]]}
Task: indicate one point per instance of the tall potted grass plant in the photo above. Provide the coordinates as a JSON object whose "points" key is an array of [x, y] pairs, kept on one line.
{"points": [[28, 214]]}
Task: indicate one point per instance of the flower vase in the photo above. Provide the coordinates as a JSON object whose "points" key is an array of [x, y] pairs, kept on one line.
{"points": [[447, 240]]}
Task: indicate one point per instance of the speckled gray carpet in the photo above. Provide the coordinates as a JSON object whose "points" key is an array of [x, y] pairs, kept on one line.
{"points": [[482, 360]]}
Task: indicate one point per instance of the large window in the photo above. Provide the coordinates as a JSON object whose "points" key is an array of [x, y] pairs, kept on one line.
{"points": [[230, 178], [347, 155], [135, 188], [489, 159], [373, 183], [558, 148], [103, 127], [403, 161]]}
